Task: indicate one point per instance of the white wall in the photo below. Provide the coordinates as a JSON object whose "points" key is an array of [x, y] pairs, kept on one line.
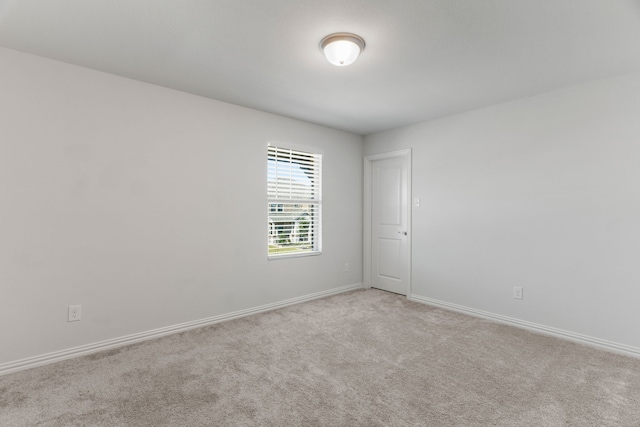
{"points": [[147, 206], [542, 193]]}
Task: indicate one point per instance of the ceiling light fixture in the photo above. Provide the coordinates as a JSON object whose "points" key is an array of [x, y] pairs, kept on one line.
{"points": [[342, 48]]}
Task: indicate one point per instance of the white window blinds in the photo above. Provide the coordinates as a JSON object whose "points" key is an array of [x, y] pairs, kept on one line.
{"points": [[294, 197]]}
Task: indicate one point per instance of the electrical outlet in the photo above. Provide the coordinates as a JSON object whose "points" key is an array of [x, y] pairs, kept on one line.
{"points": [[517, 292], [347, 267], [74, 313]]}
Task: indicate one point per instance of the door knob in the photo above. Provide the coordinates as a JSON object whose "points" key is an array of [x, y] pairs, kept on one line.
{"points": [[402, 232]]}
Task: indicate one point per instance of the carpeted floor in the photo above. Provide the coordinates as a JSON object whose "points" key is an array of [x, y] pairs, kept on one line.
{"points": [[364, 358]]}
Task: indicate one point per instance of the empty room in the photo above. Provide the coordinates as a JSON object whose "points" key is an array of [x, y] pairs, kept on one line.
{"points": [[331, 213]]}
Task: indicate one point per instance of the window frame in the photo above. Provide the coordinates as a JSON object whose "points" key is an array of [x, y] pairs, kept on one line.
{"points": [[284, 200]]}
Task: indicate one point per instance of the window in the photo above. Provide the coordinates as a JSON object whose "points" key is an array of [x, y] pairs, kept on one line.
{"points": [[294, 202]]}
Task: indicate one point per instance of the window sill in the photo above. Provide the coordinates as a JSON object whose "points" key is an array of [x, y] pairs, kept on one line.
{"points": [[287, 256]]}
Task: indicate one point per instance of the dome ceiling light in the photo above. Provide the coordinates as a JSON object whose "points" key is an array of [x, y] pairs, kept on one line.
{"points": [[342, 49]]}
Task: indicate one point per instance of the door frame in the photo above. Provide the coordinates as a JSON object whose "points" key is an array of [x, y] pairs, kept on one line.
{"points": [[368, 165]]}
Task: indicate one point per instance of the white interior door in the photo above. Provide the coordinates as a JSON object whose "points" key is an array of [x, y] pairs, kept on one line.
{"points": [[390, 222]]}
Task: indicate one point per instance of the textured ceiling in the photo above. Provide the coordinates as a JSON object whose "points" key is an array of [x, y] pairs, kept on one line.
{"points": [[424, 58]]}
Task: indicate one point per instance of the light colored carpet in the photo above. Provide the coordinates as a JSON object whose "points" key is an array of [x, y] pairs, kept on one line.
{"points": [[364, 358]]}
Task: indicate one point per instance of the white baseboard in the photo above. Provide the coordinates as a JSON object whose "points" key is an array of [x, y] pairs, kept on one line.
{"points": [[535, 327], [82, 350]]}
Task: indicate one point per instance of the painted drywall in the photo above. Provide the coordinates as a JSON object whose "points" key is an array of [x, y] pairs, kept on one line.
{"points": [[147, 206], [542, 193]]}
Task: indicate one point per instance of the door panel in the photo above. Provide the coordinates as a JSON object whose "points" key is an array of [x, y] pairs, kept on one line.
{"points": [[390, 183], [389, 253]]}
